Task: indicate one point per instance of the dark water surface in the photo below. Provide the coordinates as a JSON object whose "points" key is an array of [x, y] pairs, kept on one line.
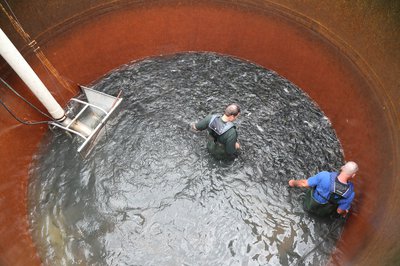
{"points": [[150, 194]]}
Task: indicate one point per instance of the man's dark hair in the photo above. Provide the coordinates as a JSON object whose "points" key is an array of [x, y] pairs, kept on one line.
{"points": [[232, 109]]}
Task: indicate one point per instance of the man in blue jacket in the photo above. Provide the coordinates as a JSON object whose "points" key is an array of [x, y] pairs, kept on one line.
{"points": [[331, 191]]}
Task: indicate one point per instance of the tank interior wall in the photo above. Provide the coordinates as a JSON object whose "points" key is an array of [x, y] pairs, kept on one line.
{"points": [[342, 53]]}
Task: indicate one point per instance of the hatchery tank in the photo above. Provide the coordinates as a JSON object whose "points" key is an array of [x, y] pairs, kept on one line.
{"points": [[342, 54]]}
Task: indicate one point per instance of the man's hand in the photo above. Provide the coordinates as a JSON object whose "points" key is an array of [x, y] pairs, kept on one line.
{"points": [[342, 213], [237, 145], [193, 127], [298, 183]]}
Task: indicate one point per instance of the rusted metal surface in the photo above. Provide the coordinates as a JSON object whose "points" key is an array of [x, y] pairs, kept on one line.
{"points": [[102, 35]]}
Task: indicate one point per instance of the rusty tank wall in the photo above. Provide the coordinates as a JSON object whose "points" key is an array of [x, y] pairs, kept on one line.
{"points": [[344, 54]]}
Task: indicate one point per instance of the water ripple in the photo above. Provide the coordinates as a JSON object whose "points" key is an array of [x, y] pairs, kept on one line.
{"points": [[150, 194]]}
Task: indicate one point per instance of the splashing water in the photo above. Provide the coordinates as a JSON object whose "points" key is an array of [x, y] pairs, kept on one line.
{"points": [[150, 194]]}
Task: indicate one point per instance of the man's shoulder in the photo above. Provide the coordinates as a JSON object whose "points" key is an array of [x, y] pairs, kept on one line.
{"points": [[203, 123], [324, 174], [232, 130], [210, 117]]}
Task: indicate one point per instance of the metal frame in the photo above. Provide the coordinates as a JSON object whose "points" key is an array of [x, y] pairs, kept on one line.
{"points": [[96, 130]]}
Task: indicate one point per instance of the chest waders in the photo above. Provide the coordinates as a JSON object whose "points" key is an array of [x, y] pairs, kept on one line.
{"points": [[338, 191], [217, 128]]}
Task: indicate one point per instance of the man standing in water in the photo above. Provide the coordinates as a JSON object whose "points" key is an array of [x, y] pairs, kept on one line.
{"points": [[330, 191], [222, 132]]}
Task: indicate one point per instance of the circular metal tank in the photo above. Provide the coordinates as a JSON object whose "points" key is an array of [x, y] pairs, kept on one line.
{"points": [[344, 54]]}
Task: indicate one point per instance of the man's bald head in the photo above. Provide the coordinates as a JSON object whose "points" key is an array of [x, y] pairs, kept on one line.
{"points": [[350, 168], [232, 109]]}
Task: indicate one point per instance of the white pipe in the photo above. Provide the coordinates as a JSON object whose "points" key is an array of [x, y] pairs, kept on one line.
{"points": [[29, 77]]}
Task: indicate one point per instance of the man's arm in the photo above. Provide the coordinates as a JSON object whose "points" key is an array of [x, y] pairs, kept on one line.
{"points": [[232, 145], [298, 183], [344, 205], [310, 182], [202, 124]]}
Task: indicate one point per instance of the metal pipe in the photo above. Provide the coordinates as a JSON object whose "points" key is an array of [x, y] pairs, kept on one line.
{"points": [[14, 58]]}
